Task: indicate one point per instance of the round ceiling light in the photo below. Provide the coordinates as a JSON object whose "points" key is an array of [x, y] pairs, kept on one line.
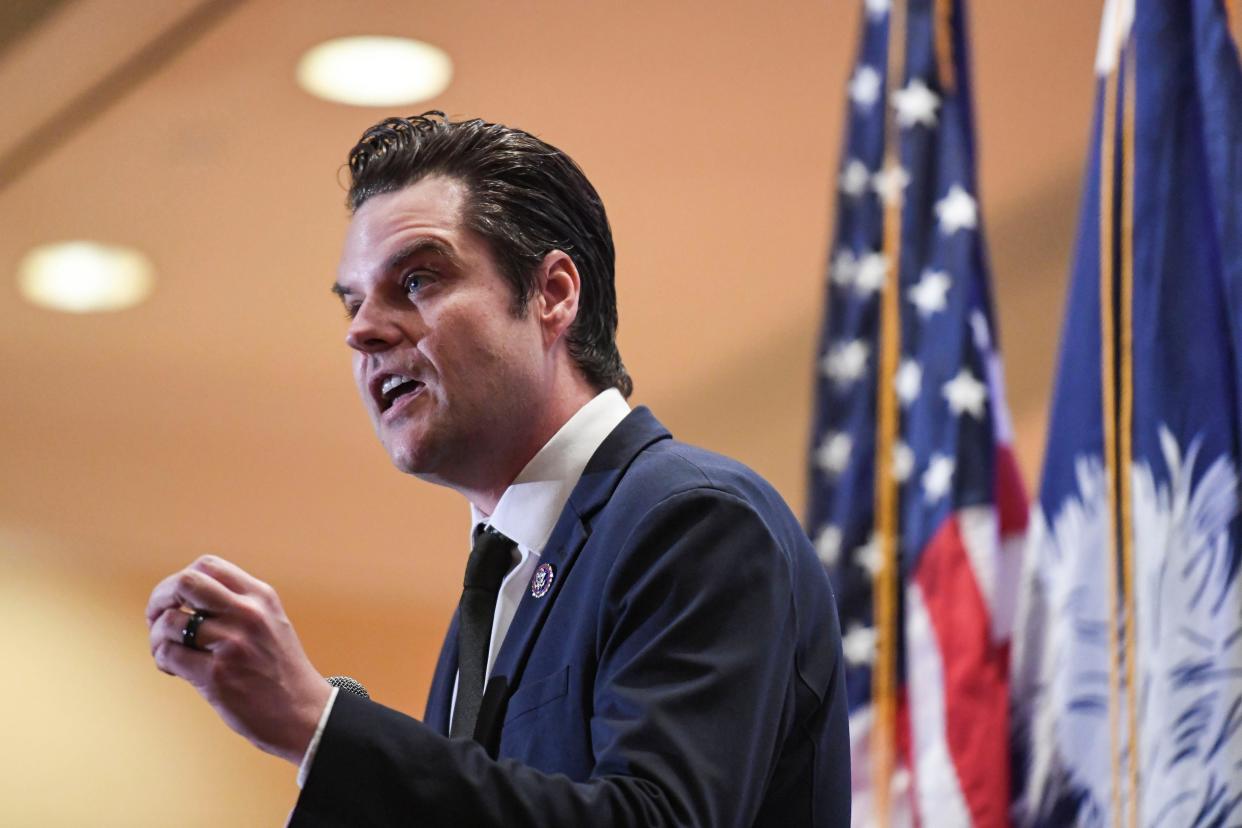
{"points": [[375, 71], [84, 277]]}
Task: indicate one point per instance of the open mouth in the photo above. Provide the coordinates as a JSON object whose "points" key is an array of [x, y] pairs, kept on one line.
{"points": [[394, 388]]}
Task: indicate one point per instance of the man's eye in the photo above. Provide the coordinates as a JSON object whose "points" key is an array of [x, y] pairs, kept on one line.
{"points": [[351, 311], [411, 283]]}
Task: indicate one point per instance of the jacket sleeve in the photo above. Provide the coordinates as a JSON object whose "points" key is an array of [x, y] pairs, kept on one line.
{"points": [[692, 698]]}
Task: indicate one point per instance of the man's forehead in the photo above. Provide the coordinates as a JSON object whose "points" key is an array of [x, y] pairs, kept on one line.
{"points": [[388, 222], [435, 201]]}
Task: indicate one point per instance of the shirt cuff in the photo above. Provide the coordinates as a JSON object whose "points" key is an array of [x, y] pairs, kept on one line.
{"points": [[309, 756]]}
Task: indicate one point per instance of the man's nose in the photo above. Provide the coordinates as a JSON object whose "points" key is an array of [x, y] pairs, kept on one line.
{"points": [[371, 330]]}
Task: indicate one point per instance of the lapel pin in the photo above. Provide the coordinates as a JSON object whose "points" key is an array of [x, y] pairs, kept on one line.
{"points": [[542, 580]]}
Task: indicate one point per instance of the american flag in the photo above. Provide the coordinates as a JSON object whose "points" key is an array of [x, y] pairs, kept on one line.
{"points": [[916, 507], [1128, 655]]}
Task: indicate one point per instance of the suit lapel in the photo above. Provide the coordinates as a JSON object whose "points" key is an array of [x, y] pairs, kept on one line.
{"points": [[594, 488], [563, 547], [567, 540], [440, 699]]}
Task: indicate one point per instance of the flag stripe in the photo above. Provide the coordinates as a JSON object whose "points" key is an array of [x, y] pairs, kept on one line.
{"points": [[975, 675], [939, 800], [1011, 501]]}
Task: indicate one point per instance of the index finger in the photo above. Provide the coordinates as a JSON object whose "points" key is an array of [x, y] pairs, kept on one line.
{"points": [[229, 574], [188, 588]]}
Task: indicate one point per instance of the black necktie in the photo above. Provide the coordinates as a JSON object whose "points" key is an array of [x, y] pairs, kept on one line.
{"points": [[489, 561]]}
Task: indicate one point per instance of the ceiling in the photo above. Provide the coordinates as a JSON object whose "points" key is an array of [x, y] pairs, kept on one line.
{"points": [[220, 416]]}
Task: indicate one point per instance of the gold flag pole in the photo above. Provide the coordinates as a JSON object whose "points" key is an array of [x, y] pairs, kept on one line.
{"points": [[885, 585]]}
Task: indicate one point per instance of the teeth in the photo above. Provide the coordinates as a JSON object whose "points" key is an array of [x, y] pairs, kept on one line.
{"points": [[392, 382]]}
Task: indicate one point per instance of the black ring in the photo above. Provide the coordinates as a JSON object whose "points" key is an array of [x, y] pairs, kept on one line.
{"points": [[189, 635]]}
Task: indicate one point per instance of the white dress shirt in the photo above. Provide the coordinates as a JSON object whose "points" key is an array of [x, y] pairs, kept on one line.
{"points": [[526, 514]]}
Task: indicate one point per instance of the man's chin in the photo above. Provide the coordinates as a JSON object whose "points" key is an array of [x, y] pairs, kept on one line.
{"points": [[408, 456], [409, 444], [409, 463]]}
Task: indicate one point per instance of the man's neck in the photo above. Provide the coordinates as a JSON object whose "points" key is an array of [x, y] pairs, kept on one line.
{"points": [[485, 487]]}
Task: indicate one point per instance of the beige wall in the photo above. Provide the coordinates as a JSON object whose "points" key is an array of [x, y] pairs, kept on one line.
{"points": [[94, 735]]}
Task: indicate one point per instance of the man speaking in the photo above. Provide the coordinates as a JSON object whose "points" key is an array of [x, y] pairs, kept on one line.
{"points": [[645, 636]]}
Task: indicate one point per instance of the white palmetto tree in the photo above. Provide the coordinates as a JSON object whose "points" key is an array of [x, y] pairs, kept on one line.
{"points": [[1188, 639]]}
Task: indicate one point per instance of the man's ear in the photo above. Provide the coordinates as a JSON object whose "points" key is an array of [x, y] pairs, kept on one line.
{"points": [[556, 294]]}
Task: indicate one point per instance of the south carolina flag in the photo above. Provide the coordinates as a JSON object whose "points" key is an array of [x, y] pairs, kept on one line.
{"points": [[1128, 660]]}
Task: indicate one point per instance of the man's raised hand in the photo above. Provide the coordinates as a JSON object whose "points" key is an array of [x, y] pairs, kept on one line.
{"points": [[246, 660]]}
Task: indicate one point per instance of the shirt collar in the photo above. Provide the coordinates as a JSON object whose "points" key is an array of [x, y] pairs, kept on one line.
{"points": [[528, 510]]}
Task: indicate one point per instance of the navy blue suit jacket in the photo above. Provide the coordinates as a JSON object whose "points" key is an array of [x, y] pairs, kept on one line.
{"points": [[684, 669]]}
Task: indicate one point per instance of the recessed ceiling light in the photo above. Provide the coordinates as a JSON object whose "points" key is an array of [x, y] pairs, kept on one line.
{"points": [[84, 276], [375, 71]]}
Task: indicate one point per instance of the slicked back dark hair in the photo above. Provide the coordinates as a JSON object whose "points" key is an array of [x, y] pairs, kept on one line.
{"points": [[526, 198]]}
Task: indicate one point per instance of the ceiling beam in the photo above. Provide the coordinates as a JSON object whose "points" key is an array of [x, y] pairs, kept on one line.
{"points": [[44, 138]]}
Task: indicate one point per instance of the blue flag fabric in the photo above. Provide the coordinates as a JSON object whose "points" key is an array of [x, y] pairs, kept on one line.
{"points": [[1127, 679]]}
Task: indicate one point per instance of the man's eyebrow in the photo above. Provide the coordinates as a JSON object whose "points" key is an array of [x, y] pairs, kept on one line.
{"points": [[339, 289], [419, 247]]}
